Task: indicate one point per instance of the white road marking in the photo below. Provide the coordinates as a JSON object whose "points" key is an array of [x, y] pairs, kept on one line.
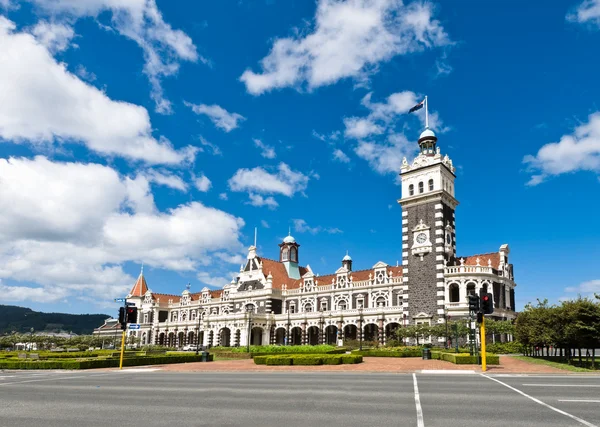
{"points": [[561, 385], [54, 378], [137, 370], [446, 371], [579, 420], [594, 377], [420, 422], [584, 401]]}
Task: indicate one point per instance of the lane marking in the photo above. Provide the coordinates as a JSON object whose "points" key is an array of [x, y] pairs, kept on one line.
{"points": [[561, 385], [446, 371], [584, 401], [579, 420], [55, 378], [420, 422], [578, 376]]}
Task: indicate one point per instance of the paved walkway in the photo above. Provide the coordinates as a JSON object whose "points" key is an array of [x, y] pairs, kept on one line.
{"points": [[370, 364]]}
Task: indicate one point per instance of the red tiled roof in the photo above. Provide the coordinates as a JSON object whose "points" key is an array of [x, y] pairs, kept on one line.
{"points": [[358, 275], [279, 273], [483, 259], [140, 287], [166, 297]]}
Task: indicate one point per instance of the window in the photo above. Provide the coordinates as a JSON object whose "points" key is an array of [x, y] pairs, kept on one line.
{"points": [[342, 305], [381, 302], [431, 185], [292, 308], [308, 308], [323, 305], [421, 187], [285, 254], [471, 289], [454, 293], [293, 255], [411, 190], [360, 302]]}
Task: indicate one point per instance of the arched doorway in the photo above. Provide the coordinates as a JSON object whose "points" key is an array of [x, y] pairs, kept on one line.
{"points": [[390, 332], [144, 337], [200, 341], [211, 336], [331, 333], [313, 335], [454, 293], [296, 336], [238, 335], [225, 337], [191, 338], [280, 336], [350, 332], [180, 339], [256, 337], [171, 340], [371, 332], [161, 338]]}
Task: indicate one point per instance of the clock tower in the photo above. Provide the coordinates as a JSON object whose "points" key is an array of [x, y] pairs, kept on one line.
{"points": [[428, 230]]}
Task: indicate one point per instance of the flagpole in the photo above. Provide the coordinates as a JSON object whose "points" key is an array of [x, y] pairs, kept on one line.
{"points": [[426, 114]]}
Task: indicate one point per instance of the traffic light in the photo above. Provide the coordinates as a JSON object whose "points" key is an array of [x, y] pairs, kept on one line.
{"points": [[473, 303], [122, 318], [487, 303], [479, 317], [131, 314]]}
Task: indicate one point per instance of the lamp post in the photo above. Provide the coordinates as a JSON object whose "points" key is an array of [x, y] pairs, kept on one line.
{"points": [[330, 323], [31, 340], [249, 311], [360, 313], [288, 323], [321, 323], [198, 333]]}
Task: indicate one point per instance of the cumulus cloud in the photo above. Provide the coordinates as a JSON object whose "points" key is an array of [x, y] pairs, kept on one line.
{"points": [[258, 201], [340, 156], [223, 196], [264, 224], [202, 183], [69, 227], [284, 181], [213, 148], [386, 156], [266, 151], [220, 117], [43, 102], [348, 39], [587, 12], [167, 179], [56, 37], [579, 151], [301, 226], [140, 21]]}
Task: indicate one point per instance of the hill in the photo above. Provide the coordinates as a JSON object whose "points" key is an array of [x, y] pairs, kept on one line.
{"points": [[21, 319]]}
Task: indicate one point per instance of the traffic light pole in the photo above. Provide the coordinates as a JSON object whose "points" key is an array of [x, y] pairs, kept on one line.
{"points": [[483, 357], [122, 350]]}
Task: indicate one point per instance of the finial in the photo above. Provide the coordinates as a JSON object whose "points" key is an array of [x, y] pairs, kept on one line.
{"points": [[289, 230], [188, 286], [142, 270]]}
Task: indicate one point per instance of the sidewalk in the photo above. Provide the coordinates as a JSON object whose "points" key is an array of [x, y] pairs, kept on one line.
{"points": [[370, 364]]}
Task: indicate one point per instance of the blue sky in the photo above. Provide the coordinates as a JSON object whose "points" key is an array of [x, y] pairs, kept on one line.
{"points": [[163, 132]]}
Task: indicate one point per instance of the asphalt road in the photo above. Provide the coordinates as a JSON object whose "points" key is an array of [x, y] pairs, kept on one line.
{"points": [[154, 398]]}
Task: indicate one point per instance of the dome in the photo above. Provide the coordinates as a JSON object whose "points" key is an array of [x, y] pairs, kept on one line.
{"points": [[289, 239], [427, 133], [347, 258]]}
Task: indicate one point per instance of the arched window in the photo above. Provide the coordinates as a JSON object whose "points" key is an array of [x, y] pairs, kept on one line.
{"points": [[431, 185], [285, 254], [470, 288], [484, 289], [454, 293], [411, 190], [380, 302], [294, 254], [421, 187], [342, 305], [308, 308]]}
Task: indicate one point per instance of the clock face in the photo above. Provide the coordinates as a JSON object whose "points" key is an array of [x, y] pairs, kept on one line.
{"points": [[448, 238], [421, 238]]}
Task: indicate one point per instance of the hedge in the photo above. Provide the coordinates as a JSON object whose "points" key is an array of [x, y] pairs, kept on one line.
{"points": [[392, 352], [280, 349], [467, 359], [308, 359], [226, 355], [99, 363]]}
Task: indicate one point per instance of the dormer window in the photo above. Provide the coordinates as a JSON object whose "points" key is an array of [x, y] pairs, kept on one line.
{"points": [[285, 254], [294, 254], [421, 187], [411, 190], [431, 185]]}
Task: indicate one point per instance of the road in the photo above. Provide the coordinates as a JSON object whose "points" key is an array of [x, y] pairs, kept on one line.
{"points": [[144, 397]]}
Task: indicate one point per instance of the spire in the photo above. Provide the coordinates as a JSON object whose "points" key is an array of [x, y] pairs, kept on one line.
{"points": [[140, 287]]}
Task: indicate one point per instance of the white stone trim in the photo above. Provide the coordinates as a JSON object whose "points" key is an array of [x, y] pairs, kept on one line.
{"points": [[405, 279], [439, 266], [404, 245], [441, 293], [439, 231], [404, 262], [404, 254], [439, 206], [405, 229], [404, 221], [439, 257], [439, 249], [439, 215], [404, 213], [440, 302], [439, 223], [439, 275], [439, 240], [440, 311], [405, 238]]}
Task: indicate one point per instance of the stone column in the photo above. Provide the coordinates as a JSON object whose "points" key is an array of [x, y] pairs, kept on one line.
{"points": [[340, 330], [304, 334], [381, 332]]}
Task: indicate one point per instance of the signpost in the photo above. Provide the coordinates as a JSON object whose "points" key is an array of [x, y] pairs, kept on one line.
{"points": [[134, 326], [120, 300]]}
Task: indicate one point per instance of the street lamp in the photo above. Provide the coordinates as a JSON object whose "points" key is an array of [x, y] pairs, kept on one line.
{"points": [[249, 311], [198, 333], [360, 313], [321, 323]]}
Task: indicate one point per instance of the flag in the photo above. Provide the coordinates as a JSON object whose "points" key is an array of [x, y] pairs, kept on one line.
{"points": [[417, 107]]}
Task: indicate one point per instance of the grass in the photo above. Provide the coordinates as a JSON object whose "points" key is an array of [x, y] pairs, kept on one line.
{"points": [[558, 365]]}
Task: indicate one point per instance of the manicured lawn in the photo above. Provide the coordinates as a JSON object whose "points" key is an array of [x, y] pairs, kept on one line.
{"points": [[553, 364]]}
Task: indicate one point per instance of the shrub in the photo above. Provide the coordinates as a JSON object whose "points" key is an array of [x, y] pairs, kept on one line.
{"points": [[505, 347], [332, 360], [307, 360], [392, 352], [351, 359], [467, 359], [260, 360], [279, 360]]}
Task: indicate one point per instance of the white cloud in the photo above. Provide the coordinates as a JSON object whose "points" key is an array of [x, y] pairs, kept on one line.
{"points": [[349, 39], [588, 287], [55, 37], [214, 149], [215, 281], [301, 226], [264, 224], [588, 12], [386, 157], [69, 227], [223, 196], [579, 151], [220, 117], [167, 179], [361, 128], [140, 21], [258, 201], [285, 181], [267, 151], [340, 156], [202, 183], [230, 258], [43, 102], [84, 74], [31, 294]]}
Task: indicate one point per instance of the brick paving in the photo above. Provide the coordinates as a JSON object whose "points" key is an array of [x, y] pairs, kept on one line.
{"points": [[370, 364]]}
